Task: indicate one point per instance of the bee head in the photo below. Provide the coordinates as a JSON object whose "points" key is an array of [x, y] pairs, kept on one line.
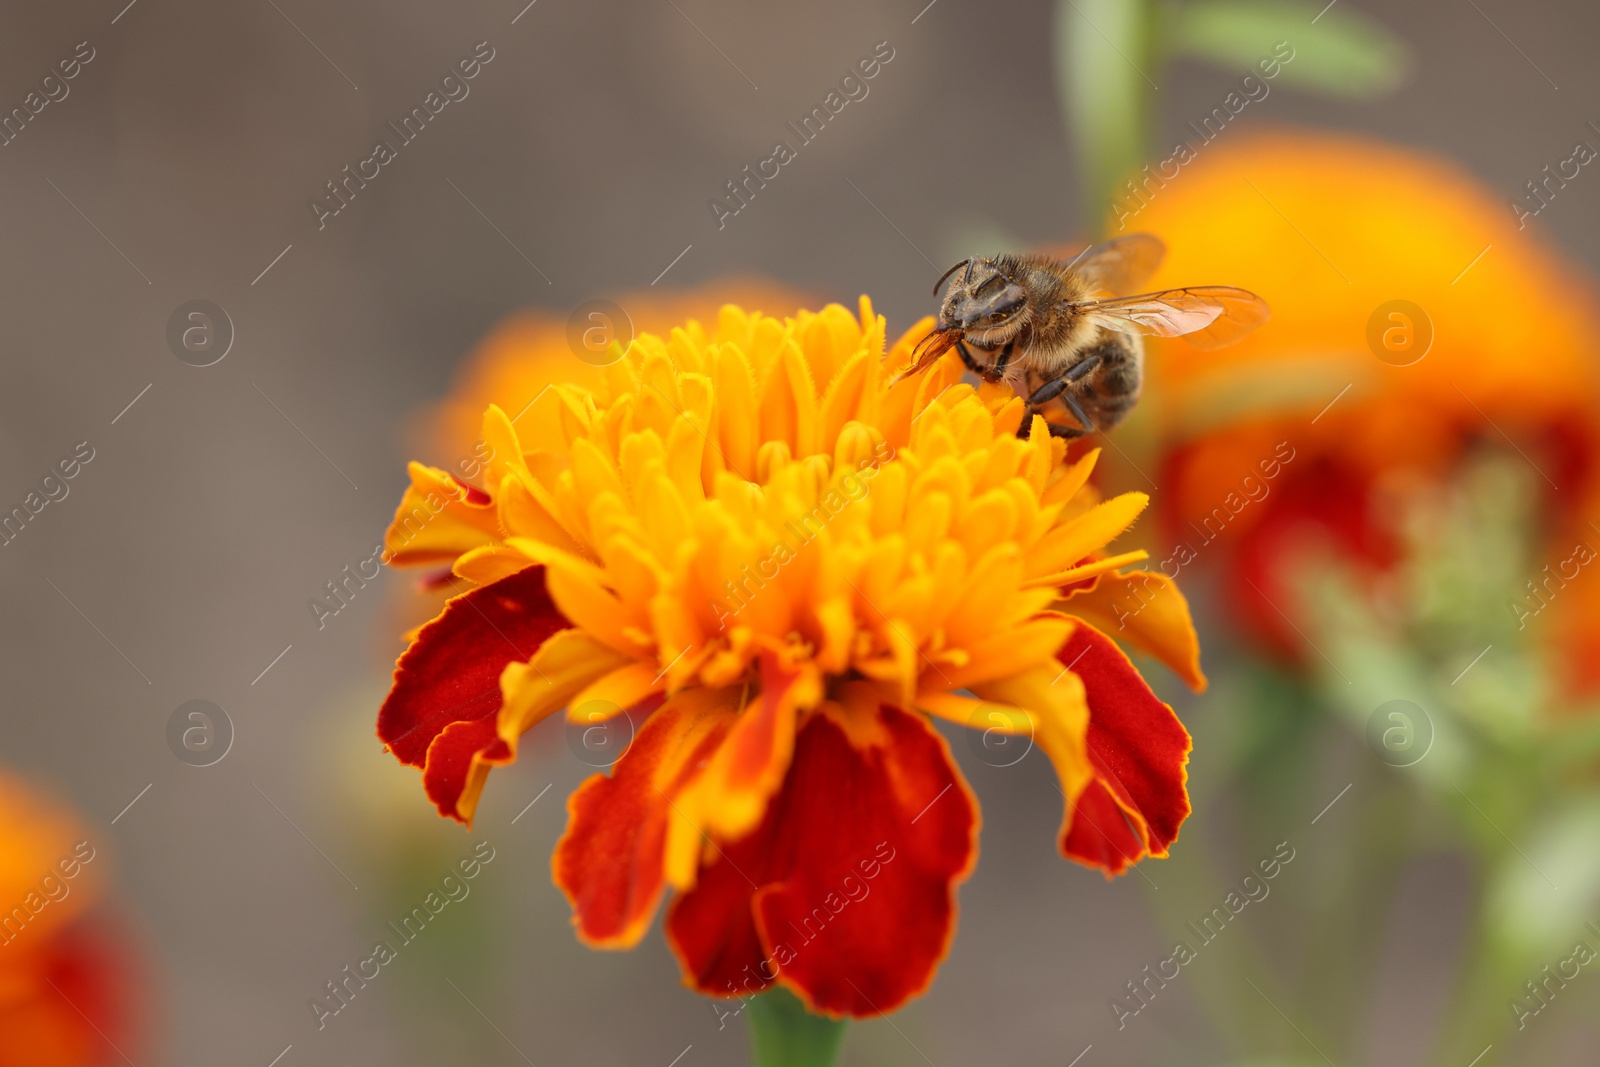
{"points": [[984, 302]]}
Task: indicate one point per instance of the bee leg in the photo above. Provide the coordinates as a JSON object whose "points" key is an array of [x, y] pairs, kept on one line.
{"points": [[973, 365], [1002, 360], [1057, 388], [1048, 392], [1078, 413], [1083, 366], [1068, 432]]}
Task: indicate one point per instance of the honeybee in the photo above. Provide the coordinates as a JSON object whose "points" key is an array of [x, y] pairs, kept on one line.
{"points": [[1063, 335]]}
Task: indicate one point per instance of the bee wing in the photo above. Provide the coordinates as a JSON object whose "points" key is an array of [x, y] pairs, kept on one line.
{"points": [[1121, 264], [1209, 315]]}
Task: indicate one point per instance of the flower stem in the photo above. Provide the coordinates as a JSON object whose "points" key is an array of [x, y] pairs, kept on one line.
{"points": [[1104, 51], [785, 1034]]}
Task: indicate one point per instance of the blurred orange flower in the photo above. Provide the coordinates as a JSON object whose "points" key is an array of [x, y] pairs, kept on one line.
{"points": [[786, 562], [532, 349], [64, 994], [1412, 321]]}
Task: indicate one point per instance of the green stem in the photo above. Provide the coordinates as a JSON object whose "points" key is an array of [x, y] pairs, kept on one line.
{"points": [[785, 1034], [1105, 56]]}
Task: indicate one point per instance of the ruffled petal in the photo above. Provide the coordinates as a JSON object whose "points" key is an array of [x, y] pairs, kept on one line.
{"points": [[458, 765], [845, 894], [1100, 835], [441, 711], [1139, 750], [730, 798], [611, 861]]}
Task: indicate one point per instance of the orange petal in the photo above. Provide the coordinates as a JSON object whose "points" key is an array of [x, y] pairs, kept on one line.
{"points": [[1146, 609], [1070, 542], [616, 691], [730, 798], [438, 519], [1083, 571], [490, 563], [564, 666], [846, 892]]}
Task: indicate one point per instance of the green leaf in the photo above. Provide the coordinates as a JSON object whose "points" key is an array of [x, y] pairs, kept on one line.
{"points": [[785, 1034], [1104, 63], [1335, 50]]}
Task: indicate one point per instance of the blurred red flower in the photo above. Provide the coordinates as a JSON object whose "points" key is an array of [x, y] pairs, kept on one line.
{"points": [[66, 996], [1495, 346]]}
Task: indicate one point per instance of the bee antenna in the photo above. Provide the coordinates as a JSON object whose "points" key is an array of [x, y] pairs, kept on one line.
{"points": [[964, 263]]}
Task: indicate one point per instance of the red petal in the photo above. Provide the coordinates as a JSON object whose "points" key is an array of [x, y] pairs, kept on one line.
{"points": [[846, 892], [1100, 834], [440, 712], [448, 771], [1139, 750], [611, 861]]}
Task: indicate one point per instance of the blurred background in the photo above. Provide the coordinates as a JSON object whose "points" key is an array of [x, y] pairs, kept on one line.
{"points": [[247, 849]]}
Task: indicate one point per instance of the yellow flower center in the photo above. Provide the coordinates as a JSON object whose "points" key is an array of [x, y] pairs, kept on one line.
{"points": [[763, 489]]}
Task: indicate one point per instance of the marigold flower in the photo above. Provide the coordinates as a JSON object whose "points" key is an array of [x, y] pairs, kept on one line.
{"points": [[1331, 229], [64, 996], [745, 533]]}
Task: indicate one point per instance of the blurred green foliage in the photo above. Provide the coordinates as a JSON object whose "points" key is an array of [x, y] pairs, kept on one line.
{"points": [[1110, 57], [1338, 52]]}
